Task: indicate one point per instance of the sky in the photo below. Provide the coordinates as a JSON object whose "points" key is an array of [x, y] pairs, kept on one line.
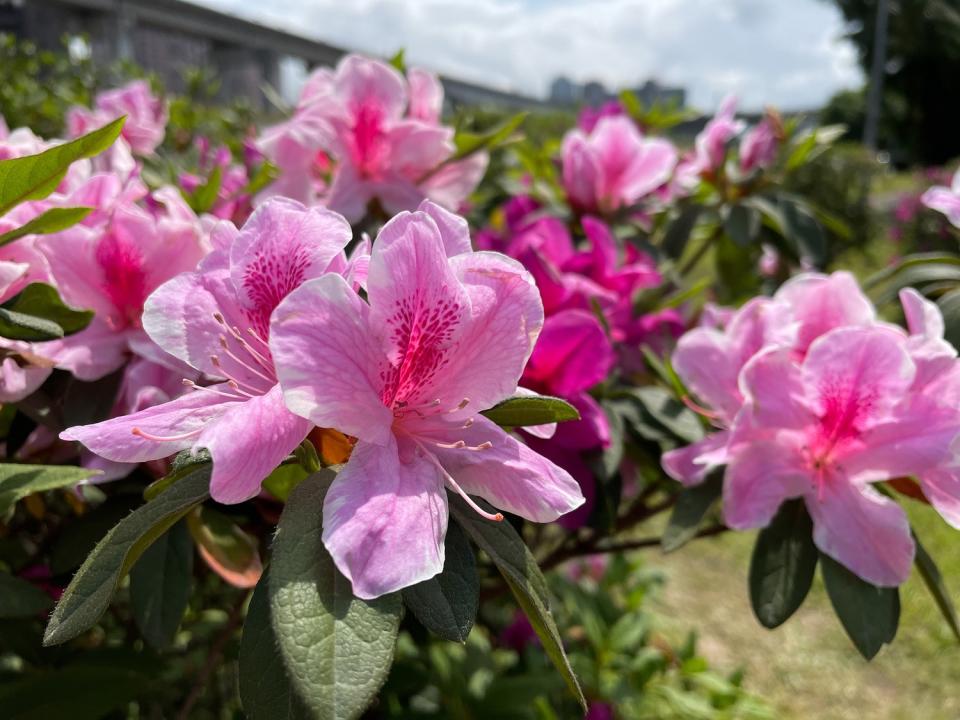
{"points": [[789, 53]]}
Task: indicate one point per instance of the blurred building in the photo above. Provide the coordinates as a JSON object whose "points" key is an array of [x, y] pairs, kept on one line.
{"points": [[168, 36], [564, 91]]}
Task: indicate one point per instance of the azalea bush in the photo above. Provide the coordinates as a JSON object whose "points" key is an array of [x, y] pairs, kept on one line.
{"points": [[362, 413]]}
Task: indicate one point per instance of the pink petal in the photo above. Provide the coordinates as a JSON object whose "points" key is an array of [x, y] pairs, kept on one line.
{"points": [[453, 182], [349, 194], [823, 302], [572, 354], [923, 317], [16, 381], [690, 465], [247, 442], [856, 376], [328, 359], [426, 95], [454, 230], [942, 488], [508, 474], [772, 382], [416, 147], [760, 476], [364, 83], [704, 361], [114, 439], [581, 171], [71, 255], [282, 245], [385, 518], [90, 354], [863, 530]]}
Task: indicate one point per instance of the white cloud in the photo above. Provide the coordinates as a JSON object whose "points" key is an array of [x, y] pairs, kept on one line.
{"points": [[788, 53]]}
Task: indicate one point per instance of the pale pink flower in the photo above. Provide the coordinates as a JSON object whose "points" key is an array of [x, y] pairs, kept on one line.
{"points": [[445, 334], [711, 143], [614, 166], [382, 131], [945, 199], [146, 116], [758, 148], [217, 321]]}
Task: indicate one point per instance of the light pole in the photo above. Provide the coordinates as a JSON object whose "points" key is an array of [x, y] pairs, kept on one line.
{"points": [[875, 94]]}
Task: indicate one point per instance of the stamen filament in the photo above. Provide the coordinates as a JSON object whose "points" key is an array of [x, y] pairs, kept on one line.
{"points": [[497, 517], [160, 438]]}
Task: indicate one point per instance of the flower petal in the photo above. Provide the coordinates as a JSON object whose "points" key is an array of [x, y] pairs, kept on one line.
{"points": [[863, 530], [572, 354], [507, 473], [760, 476], [247, 442], [942, 488], [690, 465], [328, 360], [385, 518], [823, 302]]}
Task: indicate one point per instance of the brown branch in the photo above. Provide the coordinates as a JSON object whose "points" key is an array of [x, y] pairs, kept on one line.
{"points": [[213, 658]]}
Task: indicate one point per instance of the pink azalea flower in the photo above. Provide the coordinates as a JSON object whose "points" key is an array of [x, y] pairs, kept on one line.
{"points": [[711, 143], [146, 116], [216, 320], [446, 333], [383, 132], [758, 148], [111, 267], [945, 199], [589, 116], [614, 166]]}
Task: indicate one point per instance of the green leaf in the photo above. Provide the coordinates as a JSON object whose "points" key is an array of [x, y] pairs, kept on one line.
{"points": [[85, 403], [398, 60], [53, 220], [679, 230], [80, 536], [468, 143], [203, 198], [447, 603], [519, 568], [783, 565], [869, 614], [33, 177], [281, 482], [692, 506], [950, 307], [669, 412], [21, 599], [934, 581], [19, 481], [337, 648], [743, 224], [37, 313], [265, 689], [803, 231], [90, 591], [526, 410], [160, 586]]}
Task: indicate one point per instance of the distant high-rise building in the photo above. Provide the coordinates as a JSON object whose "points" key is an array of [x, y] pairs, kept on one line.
{"points": [[564, 91]]}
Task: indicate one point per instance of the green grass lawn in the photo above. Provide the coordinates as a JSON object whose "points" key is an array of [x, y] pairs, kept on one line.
{"points": [[807, 668]]}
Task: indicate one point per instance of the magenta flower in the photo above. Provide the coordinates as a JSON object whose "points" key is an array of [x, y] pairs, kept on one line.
{"points": [[945, 199], [614, 166], [111, 266], [383, 132], [589, 116], [146, 116], [446, 334], [216, 320]]}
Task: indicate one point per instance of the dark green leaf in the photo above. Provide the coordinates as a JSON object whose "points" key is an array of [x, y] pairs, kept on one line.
{"points": [[869, 614], [19, 481], [934, 582], [678, 232], [519, 568], [37, 313], [203, 198], [803, 231], [783, 564], [525, 410], [33, 177], [743, 224], [447, 604], [337, 648], [85, 403], [669, 412], [21, 599], [692, 506], [160, 586], [81, 535], [51, 221], [265, 689], [90, 591]]}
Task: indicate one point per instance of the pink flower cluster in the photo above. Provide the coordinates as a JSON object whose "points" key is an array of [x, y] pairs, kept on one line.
{"points": [[363, 133], [816, 398]]}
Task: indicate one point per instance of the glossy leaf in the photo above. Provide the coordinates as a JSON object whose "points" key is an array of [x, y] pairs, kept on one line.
{"points": [[90, 591], [447, 604], [519, 568], [783, 565], [869, 614], [21, 599], [19, 481], [525, 410], [337, 648], [265, 689], [743, 224], [803, 231], [37, 313], [51, 221], [204, 197], [691, 507], [669, 412], [468, 143], [679, 230], [160, 586], [33, 177]]}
